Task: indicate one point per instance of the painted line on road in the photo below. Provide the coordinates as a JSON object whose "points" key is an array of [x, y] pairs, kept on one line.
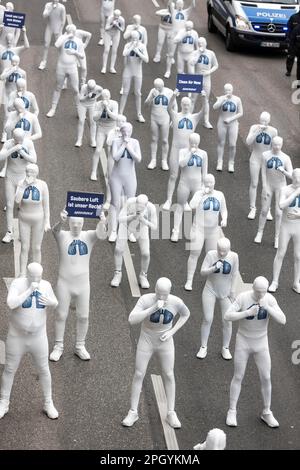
{"points": [[155, 3], [2, 353], [161, 399], [69, 19], [77, 10], [131, 275]]}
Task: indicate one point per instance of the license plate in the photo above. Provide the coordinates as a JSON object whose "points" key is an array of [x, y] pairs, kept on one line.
{"points": [[270, 44]]}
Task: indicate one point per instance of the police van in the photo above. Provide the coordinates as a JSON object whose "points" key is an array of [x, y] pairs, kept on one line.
{"points": [[257, 23]]}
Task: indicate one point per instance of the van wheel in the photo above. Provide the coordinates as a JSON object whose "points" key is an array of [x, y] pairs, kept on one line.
{"points": [[229, 42], [210, 23]]}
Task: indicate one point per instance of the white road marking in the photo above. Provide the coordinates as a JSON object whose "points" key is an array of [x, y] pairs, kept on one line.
{"points": [[17, 247], [69, 19], [155, 3], [131, 275], [2, 353], [161, 399]]}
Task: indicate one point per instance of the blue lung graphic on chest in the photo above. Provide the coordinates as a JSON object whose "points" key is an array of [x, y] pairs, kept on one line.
{"points": [[185, 123], [161, 99], [33, 191], [229, 106], [179, 16], [133, 54], [77, 246], [195, 160], [296, 202], [188, 40], [226, 267], [17, 154], [7, 55], [167, 19], [261, 315], [26, 102], [28, 301], [70, 45], [203, 59], [274, 162], [23, 124], [104, 114], [13, 77], [263, 138], [126, 154], [211, 203], [168, 316]]}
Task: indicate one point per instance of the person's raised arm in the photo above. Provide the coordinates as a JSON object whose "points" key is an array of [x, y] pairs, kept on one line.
{"points": [[234, 313], [184, 314], [56, 229], [224, 212], [284, 200], [152, 221], [134, 149], [46, 206], [207, 268], [140, 313], [271, 305], [14, 298], [117, 150], [36, 129]]}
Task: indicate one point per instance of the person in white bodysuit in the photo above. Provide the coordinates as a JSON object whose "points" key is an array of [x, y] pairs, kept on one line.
{"points": [[5, 30], [85, 37], [27, 96], [28, 299], [106, 10], [134, 53], [126, 152], [231, 110], [289, 203], [193, 164], [276, 166], [184, 123], [18, 152], [221, 269], [112, 135], [253, 309], [21, 118], [209, 204], [259, 139], [156, 312], [89, 93], [9, 49], [215, 440], [71, 50], [9, 76], [205, 63], [136, 26], [138, 215], [73, 283], [105, 115], [165, 31], [186, 40], [55, 15], [115, 25], [32, 196], [159, 99], [179, 16]]}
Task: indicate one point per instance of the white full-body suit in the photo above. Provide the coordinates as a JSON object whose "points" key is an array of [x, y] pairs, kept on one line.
{"points": [[55, 16], [289, 203], [89, 93], [126, 152], [85, 37], [158, 100], [156, 312], [32, 196], [73, 283], [28, 302], [165, 32], [276, 166], [205, 63], [19, 151], [184, 124], [105, 116], [231, 110], [115, 25], [186, 40], [70, 50], [5, 30], [135, 54], [193, 163], [253, 310], [106, 10], [259, 139], [179, 16], [137, 218], [209, 204], [27, 96], [221, 268], [9, 49], [136, 26], [23, 119]]}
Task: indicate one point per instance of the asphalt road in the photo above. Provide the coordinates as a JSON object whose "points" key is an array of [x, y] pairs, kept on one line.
{"points": [[93, 397]]}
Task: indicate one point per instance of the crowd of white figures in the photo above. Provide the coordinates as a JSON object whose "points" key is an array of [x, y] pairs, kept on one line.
{"points": [[133, 216]]}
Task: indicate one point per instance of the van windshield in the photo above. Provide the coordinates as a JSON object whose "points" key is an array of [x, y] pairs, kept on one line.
{"points": [[280, 2]]}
